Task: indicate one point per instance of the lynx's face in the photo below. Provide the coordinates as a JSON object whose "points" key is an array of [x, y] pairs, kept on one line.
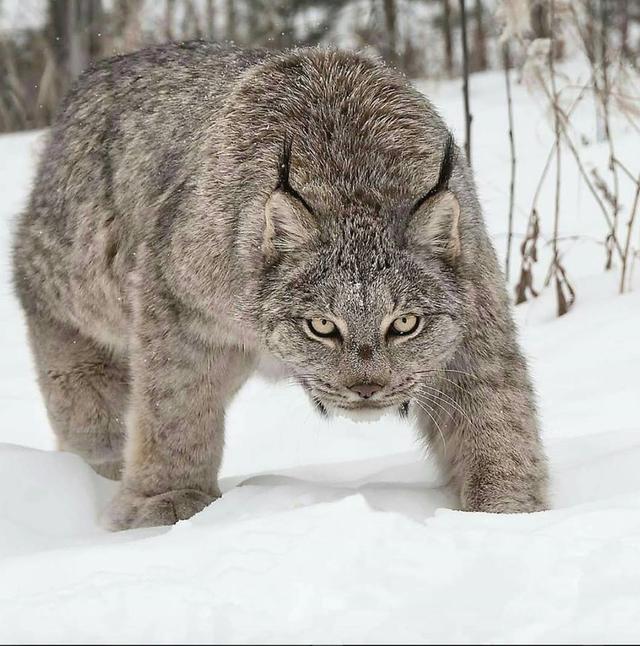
{"points": [[361, 301], [363, 335]]}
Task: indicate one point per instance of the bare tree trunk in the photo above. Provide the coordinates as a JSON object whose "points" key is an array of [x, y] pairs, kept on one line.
{"points": [[57, 36], [254, 24], [512, 149], [169, 10], [480, 40], [210, 11], [231, 20], [285, 18], [624, 27], [596, 34], [465, 85], [78, 21], [127, 28], [448, 41], [190, 21], [73, 33], [539, 18], [14, 111], [390, 19]]}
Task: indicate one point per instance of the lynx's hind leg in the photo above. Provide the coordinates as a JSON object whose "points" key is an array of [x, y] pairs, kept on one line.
{"points": [[85, 390]]}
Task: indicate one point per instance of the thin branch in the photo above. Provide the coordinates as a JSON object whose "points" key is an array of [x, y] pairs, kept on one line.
{"points": [[465, 84], [576, 155], [624, 169], [627, 244], [528, 247], [565, 293], [512, 149], [557, 134], [603, 96]]}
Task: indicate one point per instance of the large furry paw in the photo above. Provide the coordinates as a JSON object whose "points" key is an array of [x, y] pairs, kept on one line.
{"points": [[503, 500], [129, 510]]}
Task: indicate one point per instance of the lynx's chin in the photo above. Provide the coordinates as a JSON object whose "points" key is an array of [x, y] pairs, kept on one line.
{"points": [[360, 415]]}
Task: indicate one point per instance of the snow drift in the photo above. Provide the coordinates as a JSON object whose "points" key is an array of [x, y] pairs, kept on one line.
{"points": [[337, 532]]}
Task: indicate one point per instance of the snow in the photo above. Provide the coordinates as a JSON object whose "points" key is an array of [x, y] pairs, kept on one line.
{"points": [[343, 532]]}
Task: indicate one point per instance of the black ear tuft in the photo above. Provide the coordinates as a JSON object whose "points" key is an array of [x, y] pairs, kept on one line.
{"points": [[284, 165], [284, 169], [447, 163], [446, 169]]}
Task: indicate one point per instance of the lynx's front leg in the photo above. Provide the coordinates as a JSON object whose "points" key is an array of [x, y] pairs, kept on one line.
{"points": [[175, 429], [485, 430]]}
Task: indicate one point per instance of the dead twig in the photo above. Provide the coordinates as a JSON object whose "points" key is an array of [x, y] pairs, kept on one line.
{"points": [[512, 150], [528, 249], [627, 244], [576, 155], [565, 294], [529, 253], [468, 118]]}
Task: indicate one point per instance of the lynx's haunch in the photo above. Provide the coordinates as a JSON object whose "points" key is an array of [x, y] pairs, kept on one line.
{"points": [[199, 207]]}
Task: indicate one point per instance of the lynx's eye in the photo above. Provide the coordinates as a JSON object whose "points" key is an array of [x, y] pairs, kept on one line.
{"points": [[404, 325], [323, 328]]}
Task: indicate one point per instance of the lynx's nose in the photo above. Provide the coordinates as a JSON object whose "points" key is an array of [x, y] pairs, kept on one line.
{"points": [[365, 390]]}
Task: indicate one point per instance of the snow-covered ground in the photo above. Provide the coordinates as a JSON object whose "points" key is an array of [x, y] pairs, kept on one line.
{"points": [[342, 532]]}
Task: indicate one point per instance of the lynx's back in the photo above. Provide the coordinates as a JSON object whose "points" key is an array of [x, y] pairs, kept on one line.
{"points": [[128, 133]]}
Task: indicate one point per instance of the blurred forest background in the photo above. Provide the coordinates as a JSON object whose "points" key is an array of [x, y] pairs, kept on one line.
{"points": [[45, 44], [568, 53]]}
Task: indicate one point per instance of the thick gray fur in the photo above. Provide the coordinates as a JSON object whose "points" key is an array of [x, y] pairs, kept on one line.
{"points": [[159, 259]]}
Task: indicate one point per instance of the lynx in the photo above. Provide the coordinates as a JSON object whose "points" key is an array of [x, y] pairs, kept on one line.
{"points": [[198, 207]]}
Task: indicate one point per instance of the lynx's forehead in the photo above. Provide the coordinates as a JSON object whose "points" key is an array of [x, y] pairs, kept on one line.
{"points": [[363, 247], [364, 276], [362, 291]]}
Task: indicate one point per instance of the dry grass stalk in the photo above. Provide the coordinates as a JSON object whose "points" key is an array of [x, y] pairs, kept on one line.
{"points": [[613, 87], [512, 151], [565, 294], [627, 244], [529, 253], [468, 118]]}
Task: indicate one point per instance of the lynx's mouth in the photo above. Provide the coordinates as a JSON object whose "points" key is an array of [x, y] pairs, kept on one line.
{"points": [[330, 404], [365, 412]]}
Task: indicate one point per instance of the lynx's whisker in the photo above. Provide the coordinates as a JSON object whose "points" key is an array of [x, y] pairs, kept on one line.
{"points": [[451, 402], [433, 419]]}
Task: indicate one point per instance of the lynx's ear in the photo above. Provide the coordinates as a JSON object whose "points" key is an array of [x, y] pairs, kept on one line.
{"points": [[288, 225], [435, 225], [434, 221], [288, 221]]}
